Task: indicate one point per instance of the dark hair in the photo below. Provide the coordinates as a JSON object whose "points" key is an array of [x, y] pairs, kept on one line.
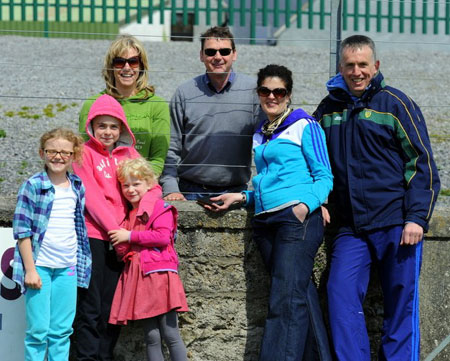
{"points": [[278, 71], [218, 32], [357, 42]]}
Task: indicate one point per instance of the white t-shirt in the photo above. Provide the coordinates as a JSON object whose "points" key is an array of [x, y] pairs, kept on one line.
{"points": [[59, 246]]}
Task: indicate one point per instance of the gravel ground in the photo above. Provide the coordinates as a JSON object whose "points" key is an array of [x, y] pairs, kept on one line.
{"points": [[44, 82]]}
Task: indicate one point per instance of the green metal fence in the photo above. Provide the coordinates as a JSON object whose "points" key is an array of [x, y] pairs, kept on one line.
{"points": [[368, 15]]}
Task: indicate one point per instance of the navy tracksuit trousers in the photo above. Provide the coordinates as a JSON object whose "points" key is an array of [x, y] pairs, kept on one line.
{"points": [[399, 268]]}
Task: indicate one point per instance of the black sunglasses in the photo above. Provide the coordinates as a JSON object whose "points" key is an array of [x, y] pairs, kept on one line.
{"points": [[277, 92], [120, 63], [223, 51]]}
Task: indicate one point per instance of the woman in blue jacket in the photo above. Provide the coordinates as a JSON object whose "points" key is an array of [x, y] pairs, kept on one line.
{"points": [[293, 179]]}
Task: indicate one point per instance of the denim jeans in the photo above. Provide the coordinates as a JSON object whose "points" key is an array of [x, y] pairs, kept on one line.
{"points": [[193, 191], [288, 247]]}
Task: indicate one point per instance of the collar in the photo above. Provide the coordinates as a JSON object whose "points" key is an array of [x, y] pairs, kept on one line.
{"points": [[207, 81], [293, 117], [47, 183], [270, 126]]}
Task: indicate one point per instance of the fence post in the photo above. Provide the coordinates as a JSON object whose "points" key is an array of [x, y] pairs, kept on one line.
{"points": [[253, 13], [335, 36], [69, 11], [46, 29], [219, 12], [367, 25], [447, 18], [424, 16], [402, 17], [322, 15], [436, 17], [11, 11], [390, 16], [23, 12]]}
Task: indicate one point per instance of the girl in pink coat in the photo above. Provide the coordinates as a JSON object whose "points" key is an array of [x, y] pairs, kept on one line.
{"points": [[110, 141], [149, 287]]}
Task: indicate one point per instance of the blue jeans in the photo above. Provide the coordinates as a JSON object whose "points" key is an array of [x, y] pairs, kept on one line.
{"points": [[193, 191], [288, 248], [49, 313]]}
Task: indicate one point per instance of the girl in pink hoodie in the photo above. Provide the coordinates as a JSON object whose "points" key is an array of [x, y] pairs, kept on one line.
{"points": [[111, 141], [149, 287]]}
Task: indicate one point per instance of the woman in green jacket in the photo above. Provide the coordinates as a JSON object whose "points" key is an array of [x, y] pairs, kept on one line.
{"points": [[125, 72]]}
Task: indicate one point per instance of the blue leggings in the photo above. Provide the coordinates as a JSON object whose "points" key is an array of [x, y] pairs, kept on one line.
{"points": [[49, 313]]}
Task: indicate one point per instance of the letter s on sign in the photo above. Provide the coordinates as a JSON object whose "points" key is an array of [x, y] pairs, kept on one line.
{"points": [[9, 294]]}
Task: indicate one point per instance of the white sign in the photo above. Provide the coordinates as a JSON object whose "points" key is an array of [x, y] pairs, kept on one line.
{"points": [[12, 305]]}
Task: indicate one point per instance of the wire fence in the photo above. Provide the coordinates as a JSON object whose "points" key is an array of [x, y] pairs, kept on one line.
{"points": [[32, 66]]}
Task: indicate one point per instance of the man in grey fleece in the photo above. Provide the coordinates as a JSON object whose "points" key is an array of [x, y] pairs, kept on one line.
{"points": [[213, 117]]}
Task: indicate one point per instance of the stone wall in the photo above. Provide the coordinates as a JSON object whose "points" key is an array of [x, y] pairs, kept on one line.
{"points": [[227, 287]]}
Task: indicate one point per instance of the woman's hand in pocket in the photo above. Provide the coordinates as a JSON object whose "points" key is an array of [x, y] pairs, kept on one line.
{"points": [[301, 210]]}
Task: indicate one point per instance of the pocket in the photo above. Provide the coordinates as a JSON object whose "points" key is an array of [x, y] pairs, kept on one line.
{"points": [[295, 215]]}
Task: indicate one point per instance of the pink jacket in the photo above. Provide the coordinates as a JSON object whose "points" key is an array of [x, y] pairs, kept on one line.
{"points": [[157, 243], [105, 206]]}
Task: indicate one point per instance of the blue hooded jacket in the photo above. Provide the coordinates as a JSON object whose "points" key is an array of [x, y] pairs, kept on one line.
{"points": [[380, 154]]}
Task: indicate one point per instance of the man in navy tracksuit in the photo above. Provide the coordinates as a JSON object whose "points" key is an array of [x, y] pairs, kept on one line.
{"points": [[386, 184]]}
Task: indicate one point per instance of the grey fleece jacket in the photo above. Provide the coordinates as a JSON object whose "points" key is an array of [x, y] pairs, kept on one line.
{"points": [[211, 133]]}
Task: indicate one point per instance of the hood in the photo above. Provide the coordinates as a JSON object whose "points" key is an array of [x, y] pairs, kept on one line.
{"points": [[147, 203], [339, 90], [337, 82], [107, 105]]}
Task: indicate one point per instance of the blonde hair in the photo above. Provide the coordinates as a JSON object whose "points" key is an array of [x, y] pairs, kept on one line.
{"points": [[138, 168], [67, 134], [116, 49]]}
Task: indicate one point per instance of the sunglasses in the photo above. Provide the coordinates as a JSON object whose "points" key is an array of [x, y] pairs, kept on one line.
{"points": [[277, 92], [120, 63], [223, 51]]}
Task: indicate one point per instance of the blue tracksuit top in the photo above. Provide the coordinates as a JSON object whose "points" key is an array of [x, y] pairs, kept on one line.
{"points": [[292, 165], [380, 154]]}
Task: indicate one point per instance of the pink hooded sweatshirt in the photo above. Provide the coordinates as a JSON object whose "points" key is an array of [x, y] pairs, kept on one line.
{"points": [[105, 206]]}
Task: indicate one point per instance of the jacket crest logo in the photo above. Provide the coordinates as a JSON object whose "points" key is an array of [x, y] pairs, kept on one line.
{"points": [[367, 113]]}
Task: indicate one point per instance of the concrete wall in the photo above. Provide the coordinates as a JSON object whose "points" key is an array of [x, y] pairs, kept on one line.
{"points": [[227, 287]]}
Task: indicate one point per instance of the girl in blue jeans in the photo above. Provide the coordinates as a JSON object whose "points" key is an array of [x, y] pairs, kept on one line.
{"points": [[52, 254], [293, 179]]}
